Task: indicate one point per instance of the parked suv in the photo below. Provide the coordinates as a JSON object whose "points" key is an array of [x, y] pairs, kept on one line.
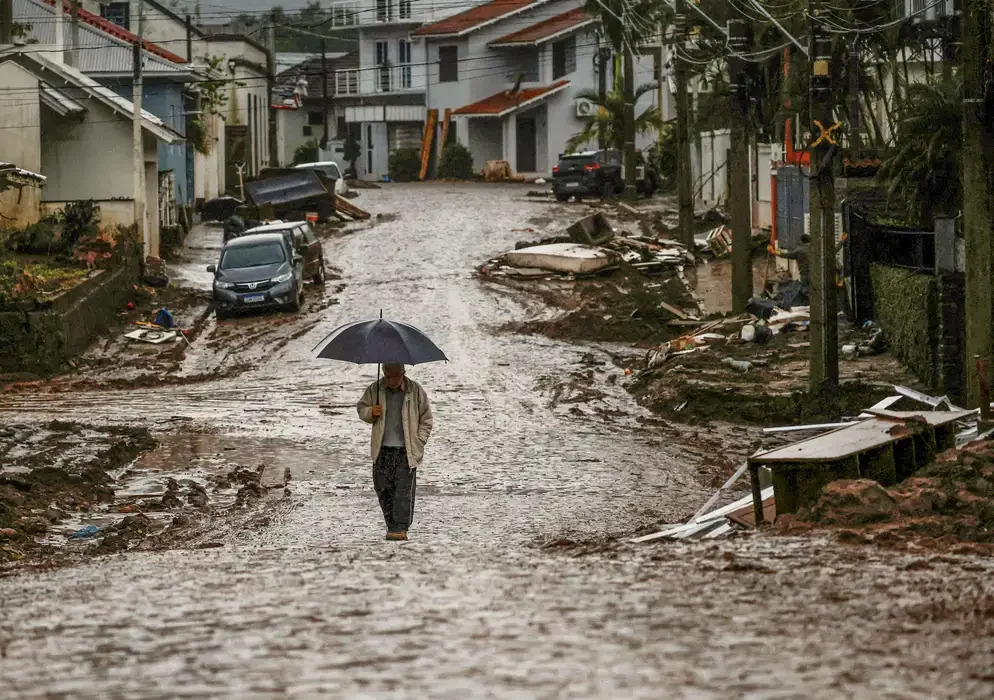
{"points": [[301, 236], [258, 271], [599, 174]]}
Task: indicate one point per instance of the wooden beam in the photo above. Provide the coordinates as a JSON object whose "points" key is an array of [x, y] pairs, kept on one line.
{"points": [[430, 123]]}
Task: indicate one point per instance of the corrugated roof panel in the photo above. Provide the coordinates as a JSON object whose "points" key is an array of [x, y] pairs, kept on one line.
{"points": [[98, 52]]}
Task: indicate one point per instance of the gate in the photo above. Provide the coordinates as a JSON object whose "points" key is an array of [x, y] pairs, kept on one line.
{"points": [[793, 199]]}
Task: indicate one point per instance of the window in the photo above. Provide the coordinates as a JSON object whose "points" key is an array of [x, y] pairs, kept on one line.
{"points": [[563, 57], [448, 64], [383, 67], [404, 9], [117, 12], [404, 59], [384, 11], [308, 131], [315, 118]]}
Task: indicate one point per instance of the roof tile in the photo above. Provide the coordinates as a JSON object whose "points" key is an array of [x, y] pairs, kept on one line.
{"points": [[471, 18], [546, 28], [504, 101]]}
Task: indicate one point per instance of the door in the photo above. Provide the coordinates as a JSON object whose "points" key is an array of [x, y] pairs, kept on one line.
{"points": [[526, 145], [236, 152], [383, 67]]}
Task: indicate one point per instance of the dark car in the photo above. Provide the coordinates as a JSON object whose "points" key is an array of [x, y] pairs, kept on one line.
{"points": [[258, 271], [301, 236], [598, 174]]}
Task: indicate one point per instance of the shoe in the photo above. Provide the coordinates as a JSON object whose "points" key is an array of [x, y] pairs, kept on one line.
{"points": [[397, 536]]}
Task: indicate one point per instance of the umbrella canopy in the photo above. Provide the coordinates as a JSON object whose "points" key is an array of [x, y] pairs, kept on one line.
{"points": [[379, 341]]}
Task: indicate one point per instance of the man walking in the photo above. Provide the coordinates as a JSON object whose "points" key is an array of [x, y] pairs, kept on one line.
{"points": [[398, 409]]}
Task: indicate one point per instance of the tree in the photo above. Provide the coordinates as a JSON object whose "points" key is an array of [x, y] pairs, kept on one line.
{"points": [[922, 173], [610, 114]]}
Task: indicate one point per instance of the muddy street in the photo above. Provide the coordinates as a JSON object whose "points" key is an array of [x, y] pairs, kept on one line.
{"points": [[518, 580]]}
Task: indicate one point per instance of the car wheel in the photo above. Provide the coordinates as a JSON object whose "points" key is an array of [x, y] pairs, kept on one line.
{"points": [[297, 301], [319, 276], [220, 313], [562, 197], [607, 189]]}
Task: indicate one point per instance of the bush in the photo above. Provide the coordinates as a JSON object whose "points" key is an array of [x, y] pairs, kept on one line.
{"points": [[456, 162], [405, 164], [307, 153]]}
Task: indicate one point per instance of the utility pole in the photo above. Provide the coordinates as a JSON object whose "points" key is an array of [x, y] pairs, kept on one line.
{"points": [[629, 155], [274, 152], [324, 92], [139, 147], [684, 173], [739, 185], [824, 373], [603, 57], [6, 22], [978, 151]]}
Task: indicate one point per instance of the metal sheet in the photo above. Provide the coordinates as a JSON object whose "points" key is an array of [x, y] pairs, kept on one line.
{"points": [[853, 439], [285, 189]]}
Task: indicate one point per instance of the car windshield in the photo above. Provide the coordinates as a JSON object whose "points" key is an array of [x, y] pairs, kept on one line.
{"points": [[567, 161], [332, 171], [252, 256]]}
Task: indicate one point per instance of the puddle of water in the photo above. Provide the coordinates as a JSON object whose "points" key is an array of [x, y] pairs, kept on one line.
{"points": [[712, 283]]}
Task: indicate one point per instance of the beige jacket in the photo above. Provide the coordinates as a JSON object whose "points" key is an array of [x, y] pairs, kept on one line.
{"points": [[417, 419]]}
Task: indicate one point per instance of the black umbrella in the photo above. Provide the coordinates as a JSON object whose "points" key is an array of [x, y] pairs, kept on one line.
{"points": [[379, 341]]}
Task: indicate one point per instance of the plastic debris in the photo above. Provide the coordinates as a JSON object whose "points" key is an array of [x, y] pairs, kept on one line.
{"points": [[86, 532], [740, 365]]}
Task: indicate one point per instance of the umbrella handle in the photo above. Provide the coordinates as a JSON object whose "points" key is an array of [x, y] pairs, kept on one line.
{"points": [[378, 383]]}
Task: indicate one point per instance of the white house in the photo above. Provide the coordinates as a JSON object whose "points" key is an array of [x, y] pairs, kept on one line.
{"points": [[385, 94], [79, 135], [301, 113]]}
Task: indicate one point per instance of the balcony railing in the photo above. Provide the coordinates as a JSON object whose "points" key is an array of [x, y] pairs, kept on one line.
{"points": [[351, 13], [347, 82], [393, 78], [346, 14]]}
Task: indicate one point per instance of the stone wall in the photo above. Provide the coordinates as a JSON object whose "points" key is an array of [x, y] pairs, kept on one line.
{"points": [[952, 336], [42, 338]]}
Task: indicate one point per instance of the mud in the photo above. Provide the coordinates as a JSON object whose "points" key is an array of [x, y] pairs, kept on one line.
{"points": [[292, 591], [942, 507], [773, 391]]}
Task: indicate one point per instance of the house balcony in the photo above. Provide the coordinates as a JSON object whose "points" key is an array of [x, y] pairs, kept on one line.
{"points": [[386, 79], [371, 13]]}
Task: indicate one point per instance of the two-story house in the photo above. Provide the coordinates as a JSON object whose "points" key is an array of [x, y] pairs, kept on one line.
{"points": [[509, 71], [385, 96]]}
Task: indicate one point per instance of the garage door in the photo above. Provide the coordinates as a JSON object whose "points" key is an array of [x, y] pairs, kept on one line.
{"points": [[405, 135]]}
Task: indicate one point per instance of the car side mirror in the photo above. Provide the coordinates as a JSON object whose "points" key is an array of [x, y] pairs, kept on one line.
{"points": [[212, 268]]}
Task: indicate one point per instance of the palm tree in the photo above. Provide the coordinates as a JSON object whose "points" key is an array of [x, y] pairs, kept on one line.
{"points": [[922, 172], [610, 115]]}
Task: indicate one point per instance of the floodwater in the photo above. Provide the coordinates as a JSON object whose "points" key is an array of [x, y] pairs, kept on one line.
{"points": [[509, 586]]}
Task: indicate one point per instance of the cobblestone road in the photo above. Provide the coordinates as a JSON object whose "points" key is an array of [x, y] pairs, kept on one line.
{"points": [[304, 599]]}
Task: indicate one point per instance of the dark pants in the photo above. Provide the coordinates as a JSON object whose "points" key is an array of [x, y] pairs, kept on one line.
{"points": [[395, 483]]}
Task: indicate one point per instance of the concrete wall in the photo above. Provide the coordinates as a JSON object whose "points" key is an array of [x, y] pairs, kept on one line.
{"points": [[290, 128], [20, 115], [484, 140], [160, 28], [89, 159], [113, 213], [208, 178], [43, 341]]}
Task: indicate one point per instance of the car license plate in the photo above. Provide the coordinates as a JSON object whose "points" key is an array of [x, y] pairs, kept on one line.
{"points": [[254, 299], [572, 184]]}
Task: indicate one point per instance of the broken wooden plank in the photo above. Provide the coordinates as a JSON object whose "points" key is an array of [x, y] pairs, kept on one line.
{"points": [[345, 206], [728, 484], [679, 313], [803, 428], [426, 141], [934, 401]]}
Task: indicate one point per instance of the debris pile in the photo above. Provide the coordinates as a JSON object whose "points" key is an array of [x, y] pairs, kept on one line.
{"points": [[950, 500], [589, 246]]}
